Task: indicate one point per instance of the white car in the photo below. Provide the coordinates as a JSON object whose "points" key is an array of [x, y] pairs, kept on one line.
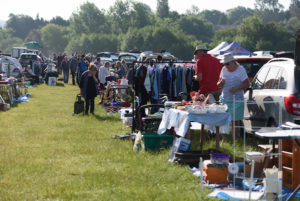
{"points": [[274, 97], [14, 65]]}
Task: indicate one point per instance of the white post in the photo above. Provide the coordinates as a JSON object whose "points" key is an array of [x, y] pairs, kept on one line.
{"points": [[201, 173], [251, 178]]}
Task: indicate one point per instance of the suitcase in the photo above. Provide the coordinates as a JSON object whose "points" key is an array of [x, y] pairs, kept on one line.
{"points": [[78, 105]]}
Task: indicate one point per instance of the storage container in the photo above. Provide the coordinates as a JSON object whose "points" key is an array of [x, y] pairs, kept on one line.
{"points": [[154, 142], [219, 158]]}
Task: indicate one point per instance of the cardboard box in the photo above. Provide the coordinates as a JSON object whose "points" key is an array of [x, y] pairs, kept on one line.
{"points": [[215, 173]]}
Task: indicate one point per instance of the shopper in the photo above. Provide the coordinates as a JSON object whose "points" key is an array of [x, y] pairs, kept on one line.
{"points": [[123, 62], [207, 72], [120, 70], [82, 67], [65, 69], [89, 87], [73, 66], [233, 80]]}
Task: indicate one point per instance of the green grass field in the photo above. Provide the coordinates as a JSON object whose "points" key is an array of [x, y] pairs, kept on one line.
{"points": [[48, 154]]}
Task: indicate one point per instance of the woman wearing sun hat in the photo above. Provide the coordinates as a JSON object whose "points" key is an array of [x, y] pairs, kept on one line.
{"points": [[233, 80]]}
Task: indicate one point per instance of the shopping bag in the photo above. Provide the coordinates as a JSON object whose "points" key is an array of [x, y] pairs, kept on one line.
{"points": [[78, 105]]}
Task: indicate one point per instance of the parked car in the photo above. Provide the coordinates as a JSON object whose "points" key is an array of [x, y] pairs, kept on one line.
{"points": [[152, 55], [15, 66], [25, 58], [128, 57], [111, 55], [274, 97], [17, 51], [287, 54]]}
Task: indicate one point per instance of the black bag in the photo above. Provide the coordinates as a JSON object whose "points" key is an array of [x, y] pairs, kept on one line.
{"points": [[78, 105]]}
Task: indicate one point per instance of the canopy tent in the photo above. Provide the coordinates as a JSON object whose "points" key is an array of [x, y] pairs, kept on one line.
{"points": [[33, 44], [216, 50], [235, 49]]}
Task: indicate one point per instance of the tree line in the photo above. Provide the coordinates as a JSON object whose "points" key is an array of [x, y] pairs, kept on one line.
{"points": [[129, 24]]}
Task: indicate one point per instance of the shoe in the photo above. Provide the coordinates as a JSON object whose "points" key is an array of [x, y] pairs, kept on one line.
{"points": [[92, 113], [86, 113]]}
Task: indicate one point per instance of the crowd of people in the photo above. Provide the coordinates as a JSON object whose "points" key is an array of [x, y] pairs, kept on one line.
{"points": [[89, 73], [225, 80]]}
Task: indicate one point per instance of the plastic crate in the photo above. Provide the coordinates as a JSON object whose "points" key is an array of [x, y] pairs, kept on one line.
{"points": [[154, 142], [150, 124]]}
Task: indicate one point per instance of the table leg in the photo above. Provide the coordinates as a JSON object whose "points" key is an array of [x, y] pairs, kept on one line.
{"points": [[201, 137], [217, 138]]}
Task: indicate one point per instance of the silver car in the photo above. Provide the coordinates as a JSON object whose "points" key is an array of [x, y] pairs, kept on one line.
{"points": [[274, 97], [7, 62]]}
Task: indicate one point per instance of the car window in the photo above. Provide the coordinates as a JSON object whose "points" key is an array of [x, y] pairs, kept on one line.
{"points": [[28, 56], [260, 77], [272, 80], [127, 58], [282, 79], [252, 66]]}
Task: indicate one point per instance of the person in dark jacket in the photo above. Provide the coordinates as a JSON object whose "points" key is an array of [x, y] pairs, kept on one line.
{"points": [[65, 68], [89, 87], [73, 67], [82, 67]]}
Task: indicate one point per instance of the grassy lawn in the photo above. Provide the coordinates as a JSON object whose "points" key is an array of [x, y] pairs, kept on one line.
{"points": [[48, 154]]}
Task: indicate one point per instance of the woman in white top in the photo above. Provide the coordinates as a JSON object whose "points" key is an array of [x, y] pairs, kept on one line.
{"points": [[103, 73], [233, 80]]}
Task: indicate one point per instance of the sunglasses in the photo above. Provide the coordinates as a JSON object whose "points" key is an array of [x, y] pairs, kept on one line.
{"points": [[226, 64]]}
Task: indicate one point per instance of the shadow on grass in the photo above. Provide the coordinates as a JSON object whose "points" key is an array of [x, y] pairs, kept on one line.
{"points": [[106, 117], [15, 104], [59, 84]]}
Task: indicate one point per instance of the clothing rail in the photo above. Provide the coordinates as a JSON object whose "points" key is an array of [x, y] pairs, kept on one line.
{"points": [[133, 126]]}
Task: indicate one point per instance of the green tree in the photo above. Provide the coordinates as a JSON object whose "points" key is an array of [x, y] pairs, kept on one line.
{"points": [[254, 34], [93, 43], [7, 40], [293, 24], [221, 35], [236, 15], [194, 10], [159, 38], [272, 5], [54, 38], [270, 10], [120, 14], [141, 15], [20, 24], [162, 8], [34, 35], [199, 28], [89, 19], [214, 16], [294, 8], [59, 21]]}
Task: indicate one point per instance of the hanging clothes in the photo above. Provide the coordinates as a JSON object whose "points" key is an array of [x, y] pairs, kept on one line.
{"points": [[140, 88], [184, 90], [147, 82]]}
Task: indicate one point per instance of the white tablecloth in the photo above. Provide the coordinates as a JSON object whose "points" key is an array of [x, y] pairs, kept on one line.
{"points": [[180, 120]]}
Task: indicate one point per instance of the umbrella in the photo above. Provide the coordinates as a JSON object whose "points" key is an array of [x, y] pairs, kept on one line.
{"points": [[33, 44]]}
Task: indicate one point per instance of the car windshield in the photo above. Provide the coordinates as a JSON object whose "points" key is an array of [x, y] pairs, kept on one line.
{"points": [[103, 55], [252, 67], [128, 58]]}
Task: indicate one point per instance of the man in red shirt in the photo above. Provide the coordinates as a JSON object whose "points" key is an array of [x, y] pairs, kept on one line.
{"points": [[207, 72]]}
